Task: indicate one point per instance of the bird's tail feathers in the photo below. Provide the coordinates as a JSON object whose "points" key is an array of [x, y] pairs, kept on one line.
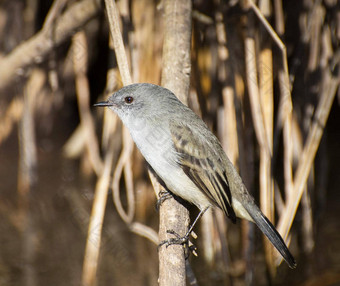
{"points": [[269, 230]]}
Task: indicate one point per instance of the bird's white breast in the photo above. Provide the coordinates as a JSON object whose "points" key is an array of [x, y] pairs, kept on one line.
{"points": [[156, 146]]}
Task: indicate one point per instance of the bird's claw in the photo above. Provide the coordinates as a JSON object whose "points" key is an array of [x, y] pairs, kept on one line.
{"points": [[162, 196], [180, 240]]}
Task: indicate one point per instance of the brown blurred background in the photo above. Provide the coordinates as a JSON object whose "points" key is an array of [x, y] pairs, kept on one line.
{"points": [[56, 60]]}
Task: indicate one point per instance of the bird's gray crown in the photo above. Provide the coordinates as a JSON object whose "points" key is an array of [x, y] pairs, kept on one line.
{"points": [[143, 99]]}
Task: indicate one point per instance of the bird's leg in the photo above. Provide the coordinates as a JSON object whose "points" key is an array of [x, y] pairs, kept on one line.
{"points": [[163, 195], [184, 240]]}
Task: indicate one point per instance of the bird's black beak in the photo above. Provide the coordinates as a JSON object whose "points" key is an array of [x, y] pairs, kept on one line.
{"points": [[103, 104]]}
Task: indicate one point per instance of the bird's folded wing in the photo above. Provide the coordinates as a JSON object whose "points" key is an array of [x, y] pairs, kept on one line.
{"points": [[206, 171]]}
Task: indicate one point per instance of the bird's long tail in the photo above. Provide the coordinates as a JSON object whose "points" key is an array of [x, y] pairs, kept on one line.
{"points": [[269, 230]]}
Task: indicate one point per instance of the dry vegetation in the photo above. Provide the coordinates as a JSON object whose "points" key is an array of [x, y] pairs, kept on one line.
{"points": [[264, 76]]}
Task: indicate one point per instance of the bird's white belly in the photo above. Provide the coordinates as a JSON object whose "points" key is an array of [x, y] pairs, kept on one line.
{"points": [[161, 156]]}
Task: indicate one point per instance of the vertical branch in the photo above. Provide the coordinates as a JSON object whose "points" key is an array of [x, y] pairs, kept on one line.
{"points": [[253, 89], [83, 97], [230, 137], [176, 77], [93, 241], [27, 180], [176, 48], [267, 103], [286, 118], [112, 15]]}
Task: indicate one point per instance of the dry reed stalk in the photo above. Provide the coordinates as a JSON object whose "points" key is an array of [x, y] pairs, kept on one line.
{"points": [[254, 95], [28, 177], [330, 85], [307, 217], [124, 160], [53, 14], [227, 129], [221, 245], [28, 148], [83, 98], [113, 18], [75, 145], [210, 245], [229, 136], [144, 231], [11, 116], [317, 14], [279, 202], [110, 121], [36, 49], [267, 105], [285, 106], [94, 235], [307, 222], [110, 124], [142, 42], [279, 18], [285, 109], [256, 103]]}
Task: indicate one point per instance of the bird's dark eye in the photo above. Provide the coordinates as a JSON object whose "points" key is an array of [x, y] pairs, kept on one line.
{"points": [[128, 99]]}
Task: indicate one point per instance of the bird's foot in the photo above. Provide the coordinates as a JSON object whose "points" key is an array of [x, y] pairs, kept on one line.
{"points": [[188, 246], [163, 195]]}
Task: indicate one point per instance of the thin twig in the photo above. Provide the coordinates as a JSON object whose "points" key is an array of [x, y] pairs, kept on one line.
{"points": [[122, 161], [53, 13], [145, 231]]}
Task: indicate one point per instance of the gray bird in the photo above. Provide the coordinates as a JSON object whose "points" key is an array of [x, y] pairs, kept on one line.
{"points": [[187, 156]]}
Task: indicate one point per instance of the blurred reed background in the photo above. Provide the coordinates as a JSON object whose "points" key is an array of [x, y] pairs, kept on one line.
{"points": [[77, 206]]}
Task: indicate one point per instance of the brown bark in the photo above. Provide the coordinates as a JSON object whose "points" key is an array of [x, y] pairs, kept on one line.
{"points": [[176, 77]]}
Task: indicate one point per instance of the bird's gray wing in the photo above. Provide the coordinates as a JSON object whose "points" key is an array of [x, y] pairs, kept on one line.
{"points": [[195, 150], [204, 162]]}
